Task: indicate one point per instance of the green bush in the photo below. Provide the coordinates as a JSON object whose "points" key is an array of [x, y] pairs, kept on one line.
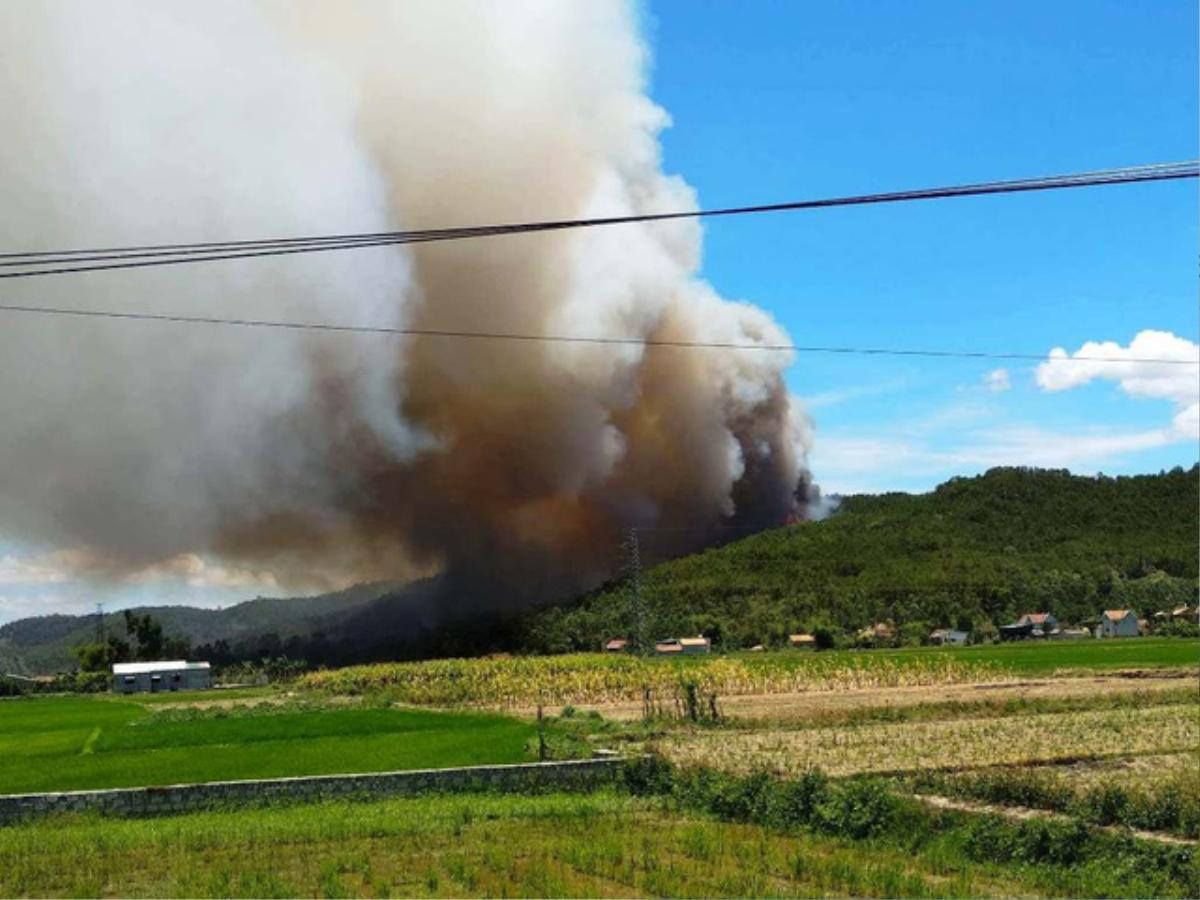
{"points": [[856, 809], [648, 776]]}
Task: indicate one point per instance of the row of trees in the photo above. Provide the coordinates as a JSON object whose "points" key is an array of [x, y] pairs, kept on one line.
{"points": [[144, 640]]}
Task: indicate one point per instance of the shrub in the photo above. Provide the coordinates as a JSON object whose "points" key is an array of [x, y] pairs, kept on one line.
{"points": [[648, 776], [857, 809], [745, 799], [798, 799]]}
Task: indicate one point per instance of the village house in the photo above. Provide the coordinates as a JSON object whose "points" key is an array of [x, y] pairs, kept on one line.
{"points": [[879, 633], [1072, 634], [686, 646], [1043, 621], [802, 642], [1016, 631], [1118, 623], [616, 645], [947, 637], [698, 644]]}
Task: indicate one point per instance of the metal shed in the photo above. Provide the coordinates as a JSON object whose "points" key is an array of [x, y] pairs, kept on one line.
{"points": [[164, 675]]}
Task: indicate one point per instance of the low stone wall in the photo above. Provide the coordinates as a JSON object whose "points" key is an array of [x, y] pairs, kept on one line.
{"points": [[149, 801]]}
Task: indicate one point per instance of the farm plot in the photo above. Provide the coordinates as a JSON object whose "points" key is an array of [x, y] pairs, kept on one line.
{"points": [[944, 744], [1155, 793], [598, 845], [65, 743], [595, 678]]}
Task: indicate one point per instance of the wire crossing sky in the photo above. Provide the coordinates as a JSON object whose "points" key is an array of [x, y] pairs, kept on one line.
{"points": [[580, 339], [61, 262]]}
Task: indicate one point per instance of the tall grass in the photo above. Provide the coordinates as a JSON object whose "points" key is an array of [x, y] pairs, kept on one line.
{"points": [[859, 842], [867, 810]]}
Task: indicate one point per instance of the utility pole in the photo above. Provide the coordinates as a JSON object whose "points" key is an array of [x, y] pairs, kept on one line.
{"points": [[99, 623], [635, 586]]}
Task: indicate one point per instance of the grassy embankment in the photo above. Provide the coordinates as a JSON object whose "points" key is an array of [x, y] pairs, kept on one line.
{"points": [[74, 743]]}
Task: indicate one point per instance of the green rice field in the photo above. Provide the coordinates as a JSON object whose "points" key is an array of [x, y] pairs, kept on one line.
{"points": [[75, 743]]}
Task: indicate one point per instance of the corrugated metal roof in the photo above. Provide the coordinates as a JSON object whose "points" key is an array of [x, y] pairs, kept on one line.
{"points": [[168, 665]]}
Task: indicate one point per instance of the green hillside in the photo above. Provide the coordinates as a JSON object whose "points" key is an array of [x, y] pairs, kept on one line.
{"points": [[974, 551]]}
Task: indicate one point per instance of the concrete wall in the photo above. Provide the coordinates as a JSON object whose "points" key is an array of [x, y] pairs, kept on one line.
{"points": [[526, 777]]}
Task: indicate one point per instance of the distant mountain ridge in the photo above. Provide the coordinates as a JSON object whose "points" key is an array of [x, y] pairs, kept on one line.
{"points": [[45, 644]]}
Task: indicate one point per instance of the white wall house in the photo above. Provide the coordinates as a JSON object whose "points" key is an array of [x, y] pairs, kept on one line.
{"points": [[164, 675], [947, 636], [1118, 623]]}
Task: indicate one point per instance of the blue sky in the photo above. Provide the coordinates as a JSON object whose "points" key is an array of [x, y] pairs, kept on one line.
{"points": [[787, 100]]}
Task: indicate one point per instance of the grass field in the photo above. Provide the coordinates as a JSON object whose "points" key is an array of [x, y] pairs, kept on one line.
{"points": [[597, 678], [70, 743], [598, 845]]}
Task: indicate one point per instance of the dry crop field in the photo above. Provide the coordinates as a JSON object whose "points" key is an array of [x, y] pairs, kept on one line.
{"points": [[955, 743]]}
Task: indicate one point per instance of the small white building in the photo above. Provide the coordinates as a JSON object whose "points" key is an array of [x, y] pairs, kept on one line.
{"points": [[948, 637], [163, 675], [802, 641], [682, 645], [1118, 623]]}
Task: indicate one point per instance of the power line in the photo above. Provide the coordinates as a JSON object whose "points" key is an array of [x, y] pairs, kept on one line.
{"points": [[566, 338], [58, 262]]}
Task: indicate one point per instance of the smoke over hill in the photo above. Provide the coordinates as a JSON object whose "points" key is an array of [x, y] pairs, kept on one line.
{"points": [[331, 458]]}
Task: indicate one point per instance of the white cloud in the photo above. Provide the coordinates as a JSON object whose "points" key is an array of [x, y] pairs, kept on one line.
{"points": [[1128, 367], [997, 381]]}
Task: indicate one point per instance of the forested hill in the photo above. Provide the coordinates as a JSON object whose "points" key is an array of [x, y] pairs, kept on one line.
{"points": [[974, 551], [43, 644]]}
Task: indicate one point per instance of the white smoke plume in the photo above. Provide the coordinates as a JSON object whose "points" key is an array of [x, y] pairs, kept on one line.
{"points": [[333, 458]]}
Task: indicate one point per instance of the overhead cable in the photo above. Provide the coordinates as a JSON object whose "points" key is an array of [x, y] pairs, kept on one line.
{"points": [[30, 264], [566, 338]]}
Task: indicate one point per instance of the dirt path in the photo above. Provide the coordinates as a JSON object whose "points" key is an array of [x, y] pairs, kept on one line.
{"points": [[1025, 812], [797, 707]]}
